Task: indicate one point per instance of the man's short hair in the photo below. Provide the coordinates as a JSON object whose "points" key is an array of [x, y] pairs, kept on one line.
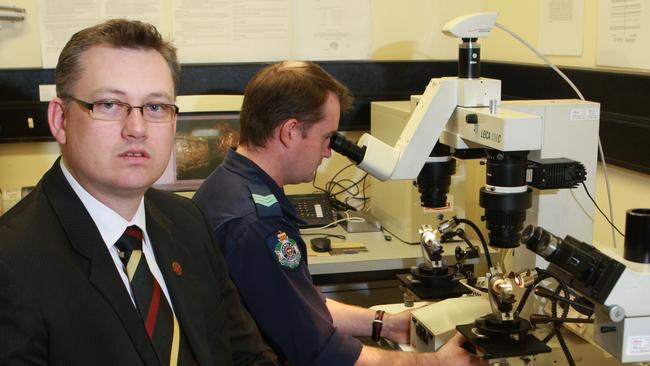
{"points": [[285, 90], [118, 33]]}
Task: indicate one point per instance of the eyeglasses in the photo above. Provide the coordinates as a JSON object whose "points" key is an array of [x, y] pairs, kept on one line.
{"points": [[110, 110]]}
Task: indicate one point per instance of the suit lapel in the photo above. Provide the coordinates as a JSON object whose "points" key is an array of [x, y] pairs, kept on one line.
{"points": [[171, 255], [87, 241]]}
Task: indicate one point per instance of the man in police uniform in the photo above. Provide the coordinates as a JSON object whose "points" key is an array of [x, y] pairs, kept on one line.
{"points": [[289, 112]]}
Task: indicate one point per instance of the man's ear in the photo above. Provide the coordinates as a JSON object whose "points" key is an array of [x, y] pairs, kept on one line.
{"points": [[56, 119], [289, 131]]}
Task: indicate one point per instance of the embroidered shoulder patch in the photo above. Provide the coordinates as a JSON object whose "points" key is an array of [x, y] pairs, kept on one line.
{"points": [[287, 251]]}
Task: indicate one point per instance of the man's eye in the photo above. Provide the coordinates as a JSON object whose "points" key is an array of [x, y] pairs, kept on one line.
{"points": [[154, 107], [105, 105]]}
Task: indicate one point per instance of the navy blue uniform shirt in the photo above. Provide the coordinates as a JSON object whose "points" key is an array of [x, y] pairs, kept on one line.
{"points": [[254, 223]]}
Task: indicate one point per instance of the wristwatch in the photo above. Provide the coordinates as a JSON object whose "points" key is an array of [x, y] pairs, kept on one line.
{"points": [[377, 324]]}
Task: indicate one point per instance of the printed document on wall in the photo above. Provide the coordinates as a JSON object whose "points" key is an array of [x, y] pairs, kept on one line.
{"points": [[561, 27], [623, 33], [60, 19], [332, 30], [231, 30]]}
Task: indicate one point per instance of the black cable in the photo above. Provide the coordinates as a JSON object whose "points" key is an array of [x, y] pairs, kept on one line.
{"points": [[345, 189], [565, 349], [601, 211], [342, 237], [398, 238], [481, 237], [561, 287], [353, 184], [353, 194], [363, 186], [341, 171], [332, 184], [329, 185], [313, 183]]}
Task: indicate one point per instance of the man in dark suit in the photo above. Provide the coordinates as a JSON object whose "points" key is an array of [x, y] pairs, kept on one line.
{"points": [[96, 268]]}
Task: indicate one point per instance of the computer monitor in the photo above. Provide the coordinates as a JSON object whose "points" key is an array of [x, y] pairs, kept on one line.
{"points": [[206, 128]]}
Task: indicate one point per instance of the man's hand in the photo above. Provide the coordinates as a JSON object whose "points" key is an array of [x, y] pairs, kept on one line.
{"points": [[453, 353]]}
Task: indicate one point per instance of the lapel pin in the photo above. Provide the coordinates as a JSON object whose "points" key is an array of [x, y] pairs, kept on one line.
{"points": [[176, 267]]}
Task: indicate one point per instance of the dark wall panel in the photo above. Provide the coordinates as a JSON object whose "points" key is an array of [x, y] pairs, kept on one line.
{"points": [[624, 98]]}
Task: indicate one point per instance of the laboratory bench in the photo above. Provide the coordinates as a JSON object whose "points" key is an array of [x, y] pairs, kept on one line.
{"points": [[365, 277]]}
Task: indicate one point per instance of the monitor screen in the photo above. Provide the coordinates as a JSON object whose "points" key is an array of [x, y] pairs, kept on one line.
{"points": [[202, 140]]}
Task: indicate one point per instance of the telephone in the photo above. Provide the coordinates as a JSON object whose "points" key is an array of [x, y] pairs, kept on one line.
{"points": [[313, 208]]}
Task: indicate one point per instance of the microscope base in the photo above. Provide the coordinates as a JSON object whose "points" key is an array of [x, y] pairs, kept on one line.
{"points": [[526, 346]]}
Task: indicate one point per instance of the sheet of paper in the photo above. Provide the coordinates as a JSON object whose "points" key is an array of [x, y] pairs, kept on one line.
{"points": [[60, 19], [623, 33], [231, 30], [331, 30], [561, 27], [149, 11]]}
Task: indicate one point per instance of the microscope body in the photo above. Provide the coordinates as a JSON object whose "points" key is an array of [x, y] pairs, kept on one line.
{"points": [[616, 287], [626, 338], [544, 129]]}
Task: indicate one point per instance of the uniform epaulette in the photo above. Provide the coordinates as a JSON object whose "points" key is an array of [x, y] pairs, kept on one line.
{"points": [[266, 203]]}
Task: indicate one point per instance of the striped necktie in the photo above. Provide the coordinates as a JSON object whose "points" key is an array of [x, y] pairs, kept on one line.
{"points": [[159, 320]]}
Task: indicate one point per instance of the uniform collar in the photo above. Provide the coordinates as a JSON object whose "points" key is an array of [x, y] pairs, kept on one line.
{"points": [[246, 168]]}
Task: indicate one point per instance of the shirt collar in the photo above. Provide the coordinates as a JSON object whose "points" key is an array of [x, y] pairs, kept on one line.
{"points": [[110, 224]]}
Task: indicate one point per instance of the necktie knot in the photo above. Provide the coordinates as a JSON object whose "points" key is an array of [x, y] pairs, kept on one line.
{"points": [[129, 241]]}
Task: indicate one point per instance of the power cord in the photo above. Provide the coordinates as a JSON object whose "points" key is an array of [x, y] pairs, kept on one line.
{"points": [[384, 230], [345, 185], [601, 211], [573, 86]]}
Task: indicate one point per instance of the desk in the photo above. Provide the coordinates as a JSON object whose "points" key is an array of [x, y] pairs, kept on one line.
{"points": [[367, 278], [381, 255]]}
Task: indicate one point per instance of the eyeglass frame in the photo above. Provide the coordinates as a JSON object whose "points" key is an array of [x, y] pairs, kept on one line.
{"points": [[89, 106]]}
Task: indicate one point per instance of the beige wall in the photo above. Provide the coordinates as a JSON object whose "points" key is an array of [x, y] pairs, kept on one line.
{"points": [[629, 190], [522, 17], [407, 29], [400, 30], [22, 165], [20, 42]]}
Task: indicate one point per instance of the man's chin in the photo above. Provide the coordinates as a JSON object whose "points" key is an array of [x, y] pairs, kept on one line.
{"points": [[310, 178]]}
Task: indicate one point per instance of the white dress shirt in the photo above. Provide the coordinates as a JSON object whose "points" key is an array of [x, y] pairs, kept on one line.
{"points": [[111, 227]]}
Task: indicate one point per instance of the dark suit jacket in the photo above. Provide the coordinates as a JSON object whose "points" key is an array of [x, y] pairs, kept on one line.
{"points": [[62, 301]]}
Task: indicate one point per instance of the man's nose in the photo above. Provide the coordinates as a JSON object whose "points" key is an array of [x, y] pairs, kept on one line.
{"points": [[134, 125]]}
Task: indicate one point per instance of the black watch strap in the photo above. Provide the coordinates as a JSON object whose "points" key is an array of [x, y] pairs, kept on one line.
{"points": [[377, 324]]}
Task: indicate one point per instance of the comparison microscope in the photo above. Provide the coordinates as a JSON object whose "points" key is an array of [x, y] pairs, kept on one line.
{"points": [[535, 152]]}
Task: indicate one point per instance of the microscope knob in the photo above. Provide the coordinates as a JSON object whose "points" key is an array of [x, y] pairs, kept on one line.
{"points": [[615, 313], [471, 118]]}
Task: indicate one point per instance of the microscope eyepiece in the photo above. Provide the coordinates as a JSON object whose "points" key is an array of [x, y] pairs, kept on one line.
{"points": [[347, 148], [540, 241]]}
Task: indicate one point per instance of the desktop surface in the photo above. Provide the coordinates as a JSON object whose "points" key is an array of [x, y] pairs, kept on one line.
{"points": [[381, 254]]}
